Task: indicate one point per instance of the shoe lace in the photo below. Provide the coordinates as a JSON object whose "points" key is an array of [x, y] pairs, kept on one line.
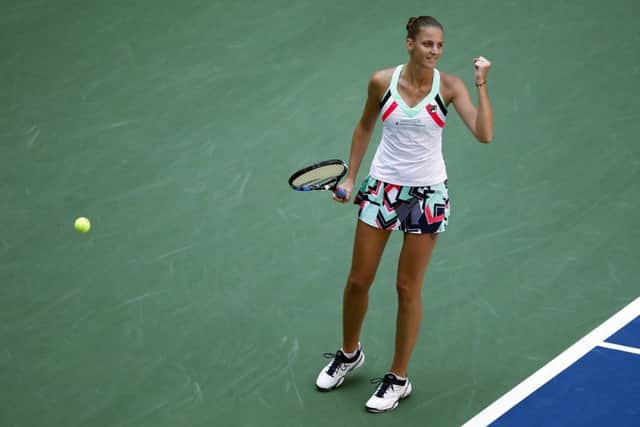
{"points": [[339, 360], [385, 383]]}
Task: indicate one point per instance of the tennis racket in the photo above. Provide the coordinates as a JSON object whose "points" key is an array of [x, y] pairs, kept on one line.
{"points": [[320, 176]]}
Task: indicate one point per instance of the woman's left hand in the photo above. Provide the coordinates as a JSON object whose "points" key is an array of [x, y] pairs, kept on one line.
{"points": [[481, 67]]}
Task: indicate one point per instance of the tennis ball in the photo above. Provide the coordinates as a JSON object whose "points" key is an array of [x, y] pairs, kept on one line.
{"points": [[82, 225]]}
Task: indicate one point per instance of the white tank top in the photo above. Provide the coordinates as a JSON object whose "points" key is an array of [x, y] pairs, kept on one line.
{"points": [[410, 150]]}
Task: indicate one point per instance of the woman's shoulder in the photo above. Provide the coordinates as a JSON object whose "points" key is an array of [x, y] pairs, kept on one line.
{"points": [[380, 81], [450, 85], [450, 80]]}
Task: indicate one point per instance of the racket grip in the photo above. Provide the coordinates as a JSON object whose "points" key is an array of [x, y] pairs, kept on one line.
{"points": [[341, 193]]}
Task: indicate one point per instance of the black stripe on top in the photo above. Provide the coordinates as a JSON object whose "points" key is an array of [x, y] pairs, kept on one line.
{"points": [[386, 96], [441, 104]]}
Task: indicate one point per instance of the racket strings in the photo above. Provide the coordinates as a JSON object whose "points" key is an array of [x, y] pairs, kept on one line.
{"points": [[320, 176], [319, 181]]}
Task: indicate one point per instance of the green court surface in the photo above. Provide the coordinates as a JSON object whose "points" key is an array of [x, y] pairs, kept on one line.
{"points": [[207, 291]]}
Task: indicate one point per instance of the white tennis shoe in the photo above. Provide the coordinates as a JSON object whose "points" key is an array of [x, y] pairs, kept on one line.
{"points": [[332, 375], [389, 393]]}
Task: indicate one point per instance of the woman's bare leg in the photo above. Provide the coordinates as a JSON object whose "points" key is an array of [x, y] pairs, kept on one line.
{"points": [[368, 247], [414, 258]]}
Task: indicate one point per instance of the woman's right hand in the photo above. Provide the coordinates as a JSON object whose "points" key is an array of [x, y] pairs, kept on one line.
{"points": [[347, 187]]}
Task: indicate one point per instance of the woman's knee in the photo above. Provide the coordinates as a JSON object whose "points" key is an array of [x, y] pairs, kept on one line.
{"points": [[408, 288], [359, 283]]}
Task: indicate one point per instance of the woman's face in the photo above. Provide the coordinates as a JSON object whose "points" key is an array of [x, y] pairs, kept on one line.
{"points": [[426, 49]]}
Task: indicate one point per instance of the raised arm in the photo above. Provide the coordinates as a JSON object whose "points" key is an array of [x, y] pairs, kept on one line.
{"points": [[480, 120]]}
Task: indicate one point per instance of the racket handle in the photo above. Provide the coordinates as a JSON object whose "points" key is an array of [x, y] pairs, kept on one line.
{"points": [[341, 193]]}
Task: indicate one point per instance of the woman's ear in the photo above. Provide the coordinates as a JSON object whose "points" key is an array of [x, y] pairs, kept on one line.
{"points": [[410, 44]]}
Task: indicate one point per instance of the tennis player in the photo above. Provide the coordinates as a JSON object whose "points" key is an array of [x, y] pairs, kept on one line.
{"points": [[406, 190]]}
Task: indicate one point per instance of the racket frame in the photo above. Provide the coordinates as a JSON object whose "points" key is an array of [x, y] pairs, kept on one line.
{"points": [[314, 187]]}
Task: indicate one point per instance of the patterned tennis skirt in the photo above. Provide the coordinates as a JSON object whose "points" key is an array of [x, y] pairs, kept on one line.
{"points": [[416, 210]]}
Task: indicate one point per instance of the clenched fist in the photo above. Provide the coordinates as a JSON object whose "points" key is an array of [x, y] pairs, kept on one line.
{"points": [[481, 67]]}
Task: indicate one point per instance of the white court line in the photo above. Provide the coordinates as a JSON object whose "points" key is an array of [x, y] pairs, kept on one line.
{"points": [[557, 365], [619, 347]]}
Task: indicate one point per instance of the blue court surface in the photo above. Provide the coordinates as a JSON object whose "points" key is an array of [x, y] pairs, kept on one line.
{"points": [[595, 382]]}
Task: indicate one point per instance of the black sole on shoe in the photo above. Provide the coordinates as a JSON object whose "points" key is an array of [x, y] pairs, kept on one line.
{"points": [[378, 411], [325, 390]]}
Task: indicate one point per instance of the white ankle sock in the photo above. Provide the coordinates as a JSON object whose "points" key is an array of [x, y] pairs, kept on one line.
{"points": [[350, 355], [398, 376]]}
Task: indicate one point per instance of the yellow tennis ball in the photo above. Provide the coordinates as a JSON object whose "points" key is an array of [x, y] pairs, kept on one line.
{"points": [[82, 225]]}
